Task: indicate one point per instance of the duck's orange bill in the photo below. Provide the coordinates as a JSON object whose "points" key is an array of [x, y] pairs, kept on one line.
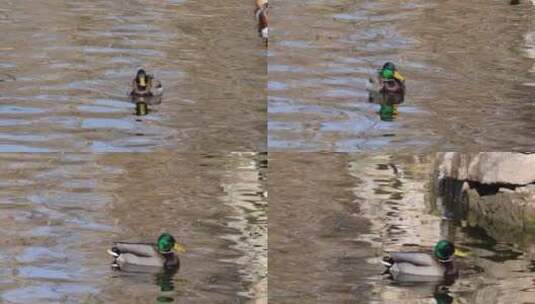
{"points": [[179, 248], [460, 253], [142, 81], [397, 75]]}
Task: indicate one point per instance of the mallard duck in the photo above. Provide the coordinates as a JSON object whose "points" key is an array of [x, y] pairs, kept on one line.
{"points": [[261, 13], [390, 85], [144, 85], [419, 266], [391, 80], [159, 255]]}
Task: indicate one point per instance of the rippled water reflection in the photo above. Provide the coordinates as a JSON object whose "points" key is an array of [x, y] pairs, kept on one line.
{"points": [[468, 67], [60, 212], [66, 69], [332, 223]]}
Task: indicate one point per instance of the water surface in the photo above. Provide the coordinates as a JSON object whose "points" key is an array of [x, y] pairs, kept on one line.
{"points": [[66, 69], [60, 212], [333, 216], [468, 66]]}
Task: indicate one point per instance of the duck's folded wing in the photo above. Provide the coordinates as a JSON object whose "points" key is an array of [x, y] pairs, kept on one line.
{"points": [[410, 272], [145, 250], [132, 259], [411, 269], [416, 258]]}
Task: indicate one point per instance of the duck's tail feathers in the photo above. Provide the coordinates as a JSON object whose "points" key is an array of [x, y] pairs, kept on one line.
{"points": [[387, 262], [113, 252]]}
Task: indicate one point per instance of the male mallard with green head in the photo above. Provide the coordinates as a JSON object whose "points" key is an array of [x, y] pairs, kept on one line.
{"points": [[261, 13], [159, 255], [390, 79], [144, 85], [419, 266], [390, 85]]}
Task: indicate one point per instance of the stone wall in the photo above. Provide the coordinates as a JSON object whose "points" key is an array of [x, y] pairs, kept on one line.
{"points": [[488, 167], [496, 190]]}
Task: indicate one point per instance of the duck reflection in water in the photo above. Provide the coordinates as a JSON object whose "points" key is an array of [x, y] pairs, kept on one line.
{"points": [[142, 108], [387, 112], [164, 280], [442, 295]]}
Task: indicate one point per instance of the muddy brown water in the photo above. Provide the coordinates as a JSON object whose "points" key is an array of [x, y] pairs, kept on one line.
{"points": [[333, 216], [60, 212], [468, 64], [66, 69]]}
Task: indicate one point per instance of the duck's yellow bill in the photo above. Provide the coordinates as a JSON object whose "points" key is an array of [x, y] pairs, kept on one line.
{"points": [[397, 75], [460, 253], [142, 81], [260, 3], [179, 248]]}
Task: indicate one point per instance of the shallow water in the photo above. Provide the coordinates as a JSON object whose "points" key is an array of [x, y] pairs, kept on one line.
{"points": [[468, 66], [60, 212], [66, 68], [340, 213]]}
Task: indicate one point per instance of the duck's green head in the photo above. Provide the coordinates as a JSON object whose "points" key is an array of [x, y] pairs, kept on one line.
{"points": [[167, 242], [444, 250], [141, 78], [388, 70]]}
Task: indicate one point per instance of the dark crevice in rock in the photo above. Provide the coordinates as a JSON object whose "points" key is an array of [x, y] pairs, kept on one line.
{"points": [[491, 189]]}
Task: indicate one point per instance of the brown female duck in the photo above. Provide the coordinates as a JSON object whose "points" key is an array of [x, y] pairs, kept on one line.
{"points": [[144, 85]]}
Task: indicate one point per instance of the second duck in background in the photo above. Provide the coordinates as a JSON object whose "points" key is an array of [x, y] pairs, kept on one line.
{"points": [[261, 13]]}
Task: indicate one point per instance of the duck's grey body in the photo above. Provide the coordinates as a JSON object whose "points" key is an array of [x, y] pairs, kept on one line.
{"points": [[419, 267], [143, 255]]}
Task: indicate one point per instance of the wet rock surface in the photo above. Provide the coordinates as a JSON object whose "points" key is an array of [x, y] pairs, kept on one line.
{"points": [[488, 167], [494, 189]]}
